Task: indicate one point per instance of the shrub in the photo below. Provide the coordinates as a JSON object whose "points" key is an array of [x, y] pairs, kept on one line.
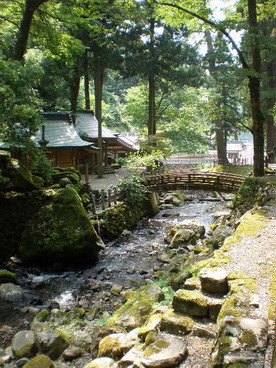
{"points": [[132, 191]]}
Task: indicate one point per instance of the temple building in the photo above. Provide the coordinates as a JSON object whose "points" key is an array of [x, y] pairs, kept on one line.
{"points": [[63, 145]]}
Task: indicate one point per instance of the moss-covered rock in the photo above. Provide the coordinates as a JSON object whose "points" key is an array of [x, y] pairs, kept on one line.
{"points": [[23, 344], [60, 231], [137, 309], [191, 303], [20, 178], [41, 361], [7, 277], [70, 173], [113, 221], [176, 323]]}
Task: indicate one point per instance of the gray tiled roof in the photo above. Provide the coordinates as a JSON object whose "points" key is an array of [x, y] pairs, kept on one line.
{"points": [[87, 126], [60, 131]]}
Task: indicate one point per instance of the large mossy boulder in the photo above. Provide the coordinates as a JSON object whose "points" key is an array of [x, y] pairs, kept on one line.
{"points": [[60, 231]]}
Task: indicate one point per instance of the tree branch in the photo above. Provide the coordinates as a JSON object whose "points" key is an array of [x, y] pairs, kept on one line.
{"points": [[213, 25]]}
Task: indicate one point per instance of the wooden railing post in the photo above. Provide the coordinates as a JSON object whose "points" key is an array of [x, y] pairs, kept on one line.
{"points": [[109, 197], [94, 207], [103, 199]]}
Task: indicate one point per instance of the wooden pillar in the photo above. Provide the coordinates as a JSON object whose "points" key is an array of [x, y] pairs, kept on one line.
{"points": [[105, 154], [86, 173]]}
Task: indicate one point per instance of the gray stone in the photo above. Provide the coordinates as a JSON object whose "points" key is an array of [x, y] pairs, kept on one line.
{"points": [[23, 344], [165, 352], [51, 343], [215, 307], [21, 362], [214, 281], [71, 353], [11, 293], [204, 331], [102, 363], [190, 302]]}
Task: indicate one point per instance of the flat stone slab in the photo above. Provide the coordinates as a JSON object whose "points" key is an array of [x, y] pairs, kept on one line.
{"points": [[191, 303], [166, 351], [214, 281]]}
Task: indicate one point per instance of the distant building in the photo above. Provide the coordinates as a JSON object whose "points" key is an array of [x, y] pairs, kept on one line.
{"points": [[114, 144], [65, 148], [240, 152]]}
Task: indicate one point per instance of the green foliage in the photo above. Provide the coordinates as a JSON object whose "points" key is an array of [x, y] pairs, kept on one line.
{"points": [[132, 191], [149, 160], [234, 169], [247, 195]]}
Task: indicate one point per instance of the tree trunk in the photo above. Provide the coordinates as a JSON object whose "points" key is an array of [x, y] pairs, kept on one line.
{"points": [[98, 83], [254, 87], [86, 81], [75, 86], [270, 102], [151, 81], [221, 142], [24, 30], [152, 108]]}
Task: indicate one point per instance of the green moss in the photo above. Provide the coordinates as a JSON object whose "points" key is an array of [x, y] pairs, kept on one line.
{"points": [[41, 361], [248, 339], [237, 365], [155, 348], [272, 304], [60, 230], [233, 169], [7, 276], [110, 346], [247, 194]]}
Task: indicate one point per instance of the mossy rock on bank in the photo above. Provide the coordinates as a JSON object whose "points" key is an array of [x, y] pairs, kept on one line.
{"points": [[60, 231], [7, 277], [113, 221], [136, 310], [16, 209], [19, 178], [70, 173]]}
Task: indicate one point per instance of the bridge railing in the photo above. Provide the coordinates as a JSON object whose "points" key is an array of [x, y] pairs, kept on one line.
{"points": [[216, 179]]}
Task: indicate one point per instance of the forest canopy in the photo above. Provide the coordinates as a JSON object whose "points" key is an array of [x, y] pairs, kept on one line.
{"points": [[179, 70]]}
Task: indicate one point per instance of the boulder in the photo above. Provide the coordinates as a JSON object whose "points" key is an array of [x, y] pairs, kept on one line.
{"points": [[23, 344], [62, 231], [11, 293], [41, 361], [101, 363], [191, 303], [51, 343], [185, 233], [214, 281]]}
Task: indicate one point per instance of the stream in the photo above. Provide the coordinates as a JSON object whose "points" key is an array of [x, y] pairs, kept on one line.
{"points": [[125, 263]]}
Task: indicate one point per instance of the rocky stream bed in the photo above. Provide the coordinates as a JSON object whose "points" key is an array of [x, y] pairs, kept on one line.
{"points": [[67, 311]]}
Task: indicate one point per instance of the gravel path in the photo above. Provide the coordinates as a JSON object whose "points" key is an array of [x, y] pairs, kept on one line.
{"points": [[255, 256]]}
